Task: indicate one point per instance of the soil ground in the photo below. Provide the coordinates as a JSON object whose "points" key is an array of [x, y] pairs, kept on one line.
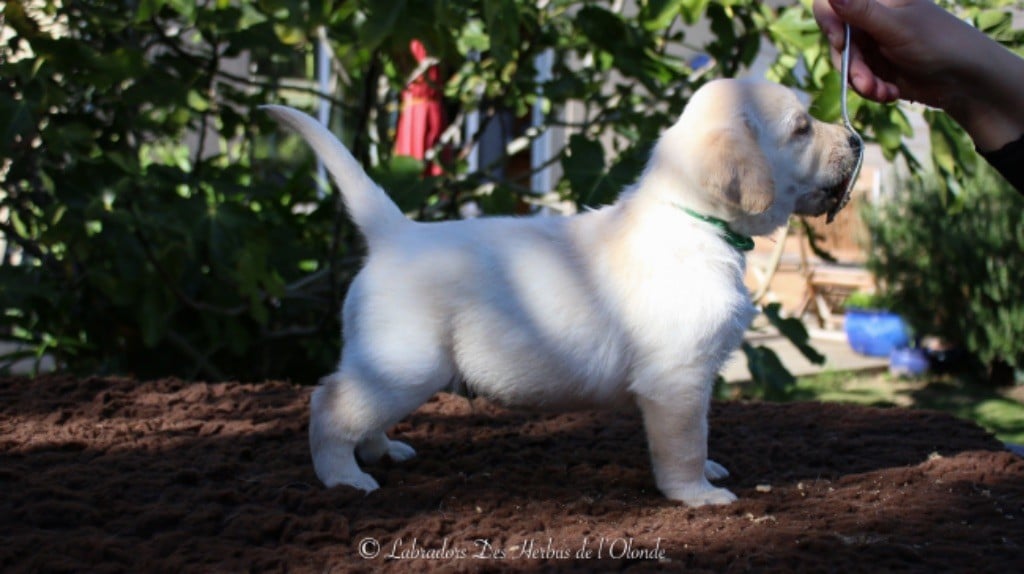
{"points": [[113, 475]]}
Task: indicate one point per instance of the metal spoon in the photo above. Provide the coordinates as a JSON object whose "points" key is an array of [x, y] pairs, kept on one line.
{"points": [[845, 77]]}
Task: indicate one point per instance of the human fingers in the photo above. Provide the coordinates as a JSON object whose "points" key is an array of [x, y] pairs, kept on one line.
{"points": [[876, 19], [863, 79], [871, 86], [829, 23]]}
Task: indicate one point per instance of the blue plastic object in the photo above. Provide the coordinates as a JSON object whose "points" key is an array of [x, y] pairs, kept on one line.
{"points": [[874, 332]]}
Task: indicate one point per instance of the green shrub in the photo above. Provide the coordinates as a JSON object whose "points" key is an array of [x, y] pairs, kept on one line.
{"points": [[953, 266], [147, 228], [864, 300]]}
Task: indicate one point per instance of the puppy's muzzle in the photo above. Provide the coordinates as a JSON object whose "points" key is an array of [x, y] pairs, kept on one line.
{"points": [[839, 195], [834, 194]]}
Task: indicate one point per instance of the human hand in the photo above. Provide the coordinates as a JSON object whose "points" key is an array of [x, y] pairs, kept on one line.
{"points": [[914, 50], [901, 49]]}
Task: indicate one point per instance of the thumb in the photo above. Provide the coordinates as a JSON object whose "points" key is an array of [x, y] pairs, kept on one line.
{"points": [[870, 16]]}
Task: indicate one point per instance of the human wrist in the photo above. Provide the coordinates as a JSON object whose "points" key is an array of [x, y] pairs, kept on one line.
{"points": [[987, 100]]}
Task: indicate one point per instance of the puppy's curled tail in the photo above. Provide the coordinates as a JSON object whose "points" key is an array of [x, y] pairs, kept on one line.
{"points": [[368, 205]]}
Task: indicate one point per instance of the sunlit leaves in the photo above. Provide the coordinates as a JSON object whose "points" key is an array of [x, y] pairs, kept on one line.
{"points": [[826, 103], [656, 15], [794, 29], [952, 151], [692, 10]]}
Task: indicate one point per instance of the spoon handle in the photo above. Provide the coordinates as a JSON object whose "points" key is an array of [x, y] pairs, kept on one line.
{"points": [[844, 72]]}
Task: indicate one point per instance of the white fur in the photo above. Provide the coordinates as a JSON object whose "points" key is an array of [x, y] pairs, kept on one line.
{"points": [[637, 302]]}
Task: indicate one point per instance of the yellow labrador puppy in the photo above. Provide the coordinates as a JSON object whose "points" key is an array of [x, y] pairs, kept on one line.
{"points": [[638, 302]]}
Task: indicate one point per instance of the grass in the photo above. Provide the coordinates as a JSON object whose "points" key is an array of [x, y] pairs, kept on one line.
{"points": [[1001, 411]]}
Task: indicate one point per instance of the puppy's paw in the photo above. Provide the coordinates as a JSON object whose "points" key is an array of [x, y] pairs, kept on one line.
{"points": [[701, 494], [714, 471], [713, 496], [399, 451], [362, 481]]}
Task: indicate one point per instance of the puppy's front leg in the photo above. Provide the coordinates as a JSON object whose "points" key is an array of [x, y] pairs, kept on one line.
{"points": [[677, 435]]}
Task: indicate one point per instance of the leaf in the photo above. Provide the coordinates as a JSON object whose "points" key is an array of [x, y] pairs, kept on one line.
{"points": [[693, 10], [250, 17], [498, 199], [402, 177], [186, 8], [899, 119], [767, 371], [288, 34], [380, 23], [473, 37], [583, 165], [657, 15], [148, 9], [623, 172], [826, 105], [812, 242], [994, 22], [605, 29], [942, 147], [887, 134], [197, 102], [795, 331], [502, 17], [795, 28], [16, 117]]}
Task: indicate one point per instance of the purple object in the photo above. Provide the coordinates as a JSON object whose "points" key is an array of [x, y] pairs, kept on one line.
{"points": [[908, 362]]}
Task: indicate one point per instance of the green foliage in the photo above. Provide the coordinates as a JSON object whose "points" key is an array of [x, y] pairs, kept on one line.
{"points": [[864, 300], [795, 331], [954, 270], [151, 232], [769, 378], [154, 222]]}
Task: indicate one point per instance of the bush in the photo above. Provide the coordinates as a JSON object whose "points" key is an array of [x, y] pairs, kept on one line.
{"points": [[147, 229], [953, 266]]}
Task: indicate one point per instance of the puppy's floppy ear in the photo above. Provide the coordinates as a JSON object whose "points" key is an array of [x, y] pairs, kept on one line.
{"points": [[735, 169]]}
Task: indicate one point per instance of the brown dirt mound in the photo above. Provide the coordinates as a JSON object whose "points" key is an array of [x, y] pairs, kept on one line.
{"points": [[117, 475]]}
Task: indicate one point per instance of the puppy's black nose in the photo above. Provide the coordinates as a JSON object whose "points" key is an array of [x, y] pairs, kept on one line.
{"points": [[855, 142]]}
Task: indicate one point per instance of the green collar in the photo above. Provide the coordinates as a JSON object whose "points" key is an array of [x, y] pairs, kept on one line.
{"points": [[739, 241]]}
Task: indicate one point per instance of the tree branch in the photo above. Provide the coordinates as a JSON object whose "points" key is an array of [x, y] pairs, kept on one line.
{"points": [[203, 364]]}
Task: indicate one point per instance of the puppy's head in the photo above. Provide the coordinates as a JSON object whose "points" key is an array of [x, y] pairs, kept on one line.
{"points": [[749, 153]]}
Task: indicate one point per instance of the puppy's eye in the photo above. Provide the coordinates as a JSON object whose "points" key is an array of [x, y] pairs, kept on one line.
{"points": [[802, 126]]}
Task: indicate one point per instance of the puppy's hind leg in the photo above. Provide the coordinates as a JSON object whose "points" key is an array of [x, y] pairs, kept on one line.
{"points": [[376, 446], [715, 471], [333, 438], [349, 413]]}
